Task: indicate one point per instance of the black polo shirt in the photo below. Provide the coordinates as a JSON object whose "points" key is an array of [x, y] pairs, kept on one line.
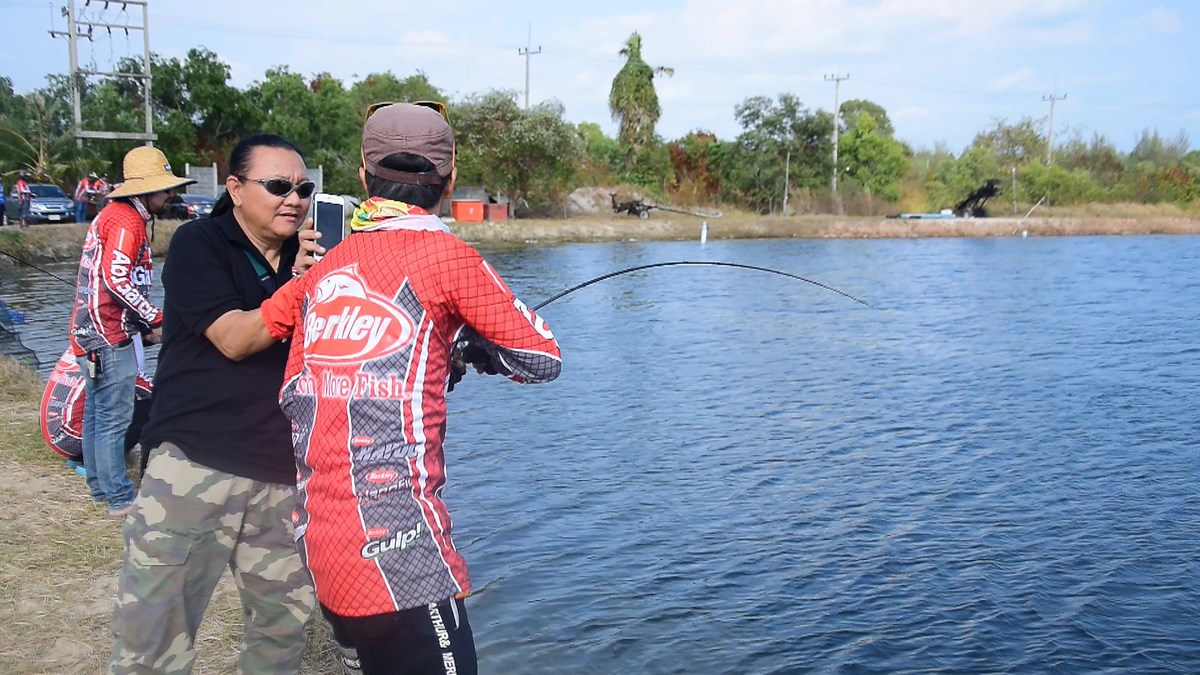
{"points": [[223, 414]]}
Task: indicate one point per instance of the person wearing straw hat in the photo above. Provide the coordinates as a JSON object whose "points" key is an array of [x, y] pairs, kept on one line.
{"points": [[112, 311]]}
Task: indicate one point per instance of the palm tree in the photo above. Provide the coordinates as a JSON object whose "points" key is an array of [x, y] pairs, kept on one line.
{"points": [[633, 101], [37, 152]]}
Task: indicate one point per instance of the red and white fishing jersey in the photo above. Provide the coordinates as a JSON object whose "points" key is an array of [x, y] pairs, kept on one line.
{"points": [[112, 293], [372, 327]]}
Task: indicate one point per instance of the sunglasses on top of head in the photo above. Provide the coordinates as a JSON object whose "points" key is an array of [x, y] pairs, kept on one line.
{"points": [[432, 105], [282, 187]]}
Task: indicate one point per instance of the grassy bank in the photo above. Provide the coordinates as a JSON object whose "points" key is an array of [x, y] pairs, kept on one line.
{"points": [[44, 243], [60, 555]]}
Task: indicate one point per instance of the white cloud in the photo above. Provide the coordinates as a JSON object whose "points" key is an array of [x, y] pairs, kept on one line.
{"points": [[946, 67], [1163, 20], [1011, 81], [911, 112]]}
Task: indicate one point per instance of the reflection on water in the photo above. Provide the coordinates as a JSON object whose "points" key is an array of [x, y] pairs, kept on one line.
{"points": [[991, 470]]}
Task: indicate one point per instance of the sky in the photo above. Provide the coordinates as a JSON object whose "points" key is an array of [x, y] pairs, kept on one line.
{"points": [[944, 70]]}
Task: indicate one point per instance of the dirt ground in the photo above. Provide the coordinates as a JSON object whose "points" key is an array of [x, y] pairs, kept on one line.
{"points": [[60, 556]]}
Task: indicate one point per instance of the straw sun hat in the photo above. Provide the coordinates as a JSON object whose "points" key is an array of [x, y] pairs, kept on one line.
{"points": [[147, 170]]}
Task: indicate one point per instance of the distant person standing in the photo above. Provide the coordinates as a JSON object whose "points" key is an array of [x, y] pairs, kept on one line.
{"points": [[112, 310], [24, 196], [85, 193]]}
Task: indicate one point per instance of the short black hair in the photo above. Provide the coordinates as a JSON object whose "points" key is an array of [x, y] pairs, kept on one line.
{"points": [[424, 196]]}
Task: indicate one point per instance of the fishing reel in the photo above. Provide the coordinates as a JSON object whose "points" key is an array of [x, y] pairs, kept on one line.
{"points": [[471, 349]]}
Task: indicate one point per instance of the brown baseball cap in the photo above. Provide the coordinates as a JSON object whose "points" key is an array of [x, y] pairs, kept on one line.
{"points": [[415, 129]]}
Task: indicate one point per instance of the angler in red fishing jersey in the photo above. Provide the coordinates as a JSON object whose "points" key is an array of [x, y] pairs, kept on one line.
{"points": [[112, 310], [373, 327]]}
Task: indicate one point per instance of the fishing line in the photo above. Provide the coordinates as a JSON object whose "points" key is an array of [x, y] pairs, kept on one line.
{"points": [[46, 272], [637, 268]]}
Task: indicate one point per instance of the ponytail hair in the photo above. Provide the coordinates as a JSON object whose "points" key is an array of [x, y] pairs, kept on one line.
{"points": [[223, 205]]}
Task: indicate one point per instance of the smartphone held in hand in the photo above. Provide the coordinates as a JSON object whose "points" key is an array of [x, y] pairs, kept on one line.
{"points": [[330, 219]]}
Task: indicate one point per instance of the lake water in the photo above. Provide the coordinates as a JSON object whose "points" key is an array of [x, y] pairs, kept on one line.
{"points": [[991, 469]]}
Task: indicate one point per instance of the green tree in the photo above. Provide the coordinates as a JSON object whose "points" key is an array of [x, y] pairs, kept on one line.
{"points": [[1157, 151], [777, 137], [1013, 144], [603, 160], [950, 180], [633, 101], [319, 117], [853, 108], [871, 159], [530, 155], [386, 87], [284, 100], [38, 138], [1056, 184], [194, 102], [1098, 157]]}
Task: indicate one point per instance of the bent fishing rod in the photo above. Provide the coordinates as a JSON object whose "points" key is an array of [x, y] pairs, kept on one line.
{"points": [[43, 271], [595, 280], [674, 263]]}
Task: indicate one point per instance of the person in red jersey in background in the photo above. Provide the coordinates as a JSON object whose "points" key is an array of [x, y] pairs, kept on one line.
{"points": [[112, 310], [373, 329]]}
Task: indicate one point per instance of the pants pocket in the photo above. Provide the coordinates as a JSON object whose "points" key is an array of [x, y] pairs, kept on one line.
{"points": [[160, 549]]}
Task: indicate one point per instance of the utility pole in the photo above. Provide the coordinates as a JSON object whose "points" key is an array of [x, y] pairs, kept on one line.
{"points": [[1050, 134], [527, 52], [1014, 188], [78, 28], [787, 169], [837, 107]]}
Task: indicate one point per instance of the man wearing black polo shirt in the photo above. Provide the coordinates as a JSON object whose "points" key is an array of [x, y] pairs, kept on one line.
{"points": [[219, 484]]}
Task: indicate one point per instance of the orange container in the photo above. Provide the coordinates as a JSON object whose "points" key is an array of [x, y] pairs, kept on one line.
{"points": [[495, 211], [466, 211]]}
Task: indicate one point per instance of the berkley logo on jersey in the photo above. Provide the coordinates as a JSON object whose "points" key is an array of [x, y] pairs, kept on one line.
{"points": [[397, 542], [380, 476], [347, 323]]}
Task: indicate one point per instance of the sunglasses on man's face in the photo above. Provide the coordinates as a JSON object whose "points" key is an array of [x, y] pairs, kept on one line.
{"points": [[282, 187]]}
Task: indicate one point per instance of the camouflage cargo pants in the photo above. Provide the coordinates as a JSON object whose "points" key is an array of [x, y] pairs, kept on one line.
{"points": [[189, 523]]}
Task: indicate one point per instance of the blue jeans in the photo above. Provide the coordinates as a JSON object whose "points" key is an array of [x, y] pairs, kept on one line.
{"points": [[26, 205], [107, 412], [80, 210]]}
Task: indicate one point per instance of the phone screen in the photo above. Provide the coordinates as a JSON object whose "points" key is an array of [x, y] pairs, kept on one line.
{"points": [[329, 221]]}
